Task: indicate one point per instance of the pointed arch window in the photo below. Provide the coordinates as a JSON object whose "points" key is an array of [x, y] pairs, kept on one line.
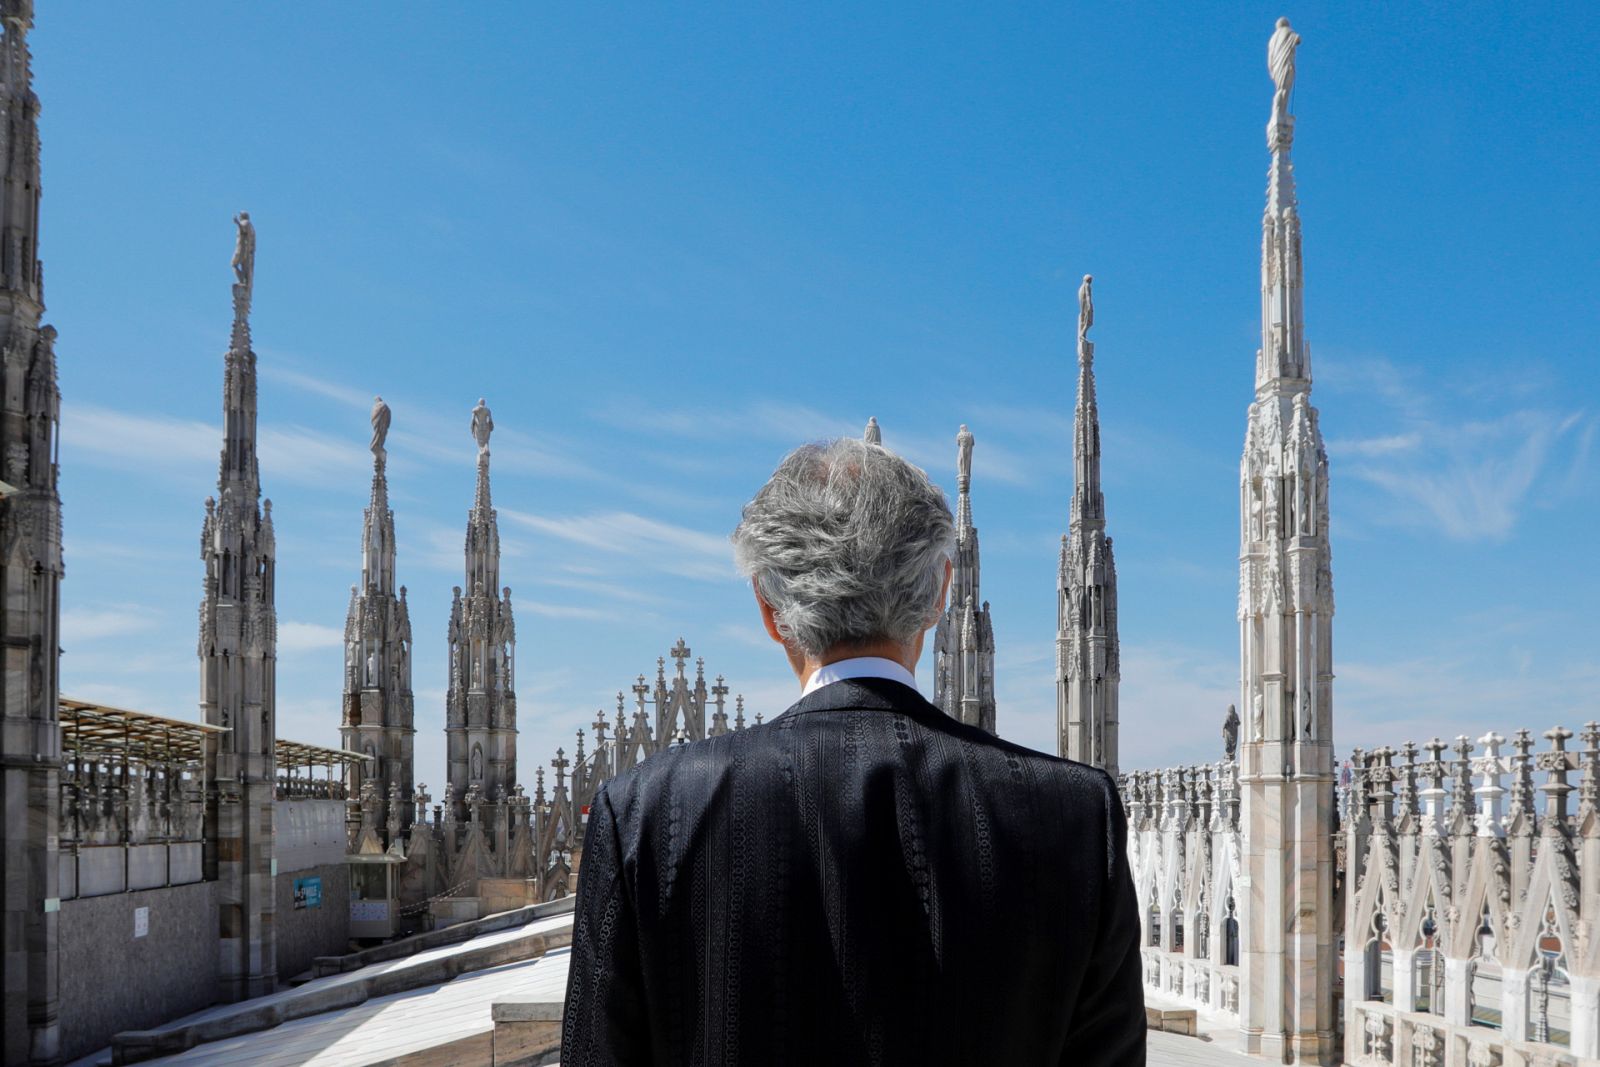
{"points": [[1177, 920], [1155, 922], [1427, 966], [1483, 983], [1550, 987], [1230, 936], [1380, 961]]}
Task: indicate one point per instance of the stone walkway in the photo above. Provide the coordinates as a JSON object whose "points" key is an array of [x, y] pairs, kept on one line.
{"points": [[322, 986], [387, 1027], [1174, 1050]]}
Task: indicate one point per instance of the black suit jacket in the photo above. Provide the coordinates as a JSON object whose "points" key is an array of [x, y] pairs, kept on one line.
{"points": [[862, 880]]}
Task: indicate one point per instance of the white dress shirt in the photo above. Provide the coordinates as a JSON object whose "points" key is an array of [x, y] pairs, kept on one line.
{"points": [[859, 667]]}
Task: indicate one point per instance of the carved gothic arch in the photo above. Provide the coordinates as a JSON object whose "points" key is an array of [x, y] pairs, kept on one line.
{"points": [[1487, 888]]}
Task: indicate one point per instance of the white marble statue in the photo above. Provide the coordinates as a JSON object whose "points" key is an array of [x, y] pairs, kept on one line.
{"points": [[1280, 63], [244, 249], [1085, 306], [482, 425], [380, 426]]}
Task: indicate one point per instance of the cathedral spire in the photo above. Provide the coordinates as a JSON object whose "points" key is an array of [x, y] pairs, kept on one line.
{"points": [[1088, 653], [964, 641], [30, 578], [481, 704], [238, 667], [1286, 768], [378, 703]]}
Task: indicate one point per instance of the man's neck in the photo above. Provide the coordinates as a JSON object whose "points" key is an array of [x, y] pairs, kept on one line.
{"points": [[805, 665]]}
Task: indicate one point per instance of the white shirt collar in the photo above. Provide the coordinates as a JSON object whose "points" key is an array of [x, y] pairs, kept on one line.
{"points": [[859, 667]]}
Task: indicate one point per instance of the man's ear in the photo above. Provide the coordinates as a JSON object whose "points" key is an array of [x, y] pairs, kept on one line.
{"points": [[768, 619]]}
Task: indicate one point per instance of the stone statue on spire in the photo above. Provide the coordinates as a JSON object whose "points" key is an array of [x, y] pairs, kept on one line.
{"points": [[873, 436], [244, 250], [964, 457], [482, 425], [1280, 64], [380, 427], [1085, 307]]}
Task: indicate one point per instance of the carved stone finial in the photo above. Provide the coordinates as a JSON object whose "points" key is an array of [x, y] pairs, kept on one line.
{"points": [[874, 435]]}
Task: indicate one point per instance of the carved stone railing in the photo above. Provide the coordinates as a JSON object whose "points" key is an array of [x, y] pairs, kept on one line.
{"points": [[304, 787], [1471, 891], [106, 800], [1183, 849]]}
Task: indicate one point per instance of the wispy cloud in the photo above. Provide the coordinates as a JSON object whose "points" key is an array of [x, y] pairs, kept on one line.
{"points": [[1471, 481], [112, 620], [122, 440], [275, 370], [570, 611], [308, 636], [188, 448], [1443, 468], [1388, 445], [793, 424], [652, 543]]}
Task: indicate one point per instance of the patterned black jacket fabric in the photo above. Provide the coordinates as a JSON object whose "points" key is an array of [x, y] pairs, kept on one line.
{"points": [[862, 880]]}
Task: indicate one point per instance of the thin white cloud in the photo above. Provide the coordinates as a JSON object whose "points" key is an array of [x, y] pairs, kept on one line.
{"points": [[1471, 482], [650, 542], [1388, 445], [188, 448], [273, 369], [308, 636], [793, 424], [119, 439], [113, 620], [569, 611], [304, 456], [1470, 478]]}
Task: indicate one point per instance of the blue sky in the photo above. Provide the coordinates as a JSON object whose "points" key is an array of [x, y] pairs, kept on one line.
{"points": [[668, 244]]}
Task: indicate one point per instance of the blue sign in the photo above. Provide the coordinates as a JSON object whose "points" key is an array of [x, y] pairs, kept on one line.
{"points": [[307, 893]]}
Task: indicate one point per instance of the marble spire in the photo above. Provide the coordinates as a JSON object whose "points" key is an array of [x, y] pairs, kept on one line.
{"points": [[30, 574], [238, 667], [1286, 768], [1088, 654], [964, 640], [378, 703], [481, 704]]}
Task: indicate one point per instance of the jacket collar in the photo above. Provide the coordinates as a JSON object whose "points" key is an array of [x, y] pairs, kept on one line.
{"points": [[864, 694]]}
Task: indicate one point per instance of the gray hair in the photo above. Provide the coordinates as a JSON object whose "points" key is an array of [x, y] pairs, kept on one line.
{"points": [[847, 544]]}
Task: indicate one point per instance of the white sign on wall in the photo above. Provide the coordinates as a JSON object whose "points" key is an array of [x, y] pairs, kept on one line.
{"points": [[141, 921]]}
